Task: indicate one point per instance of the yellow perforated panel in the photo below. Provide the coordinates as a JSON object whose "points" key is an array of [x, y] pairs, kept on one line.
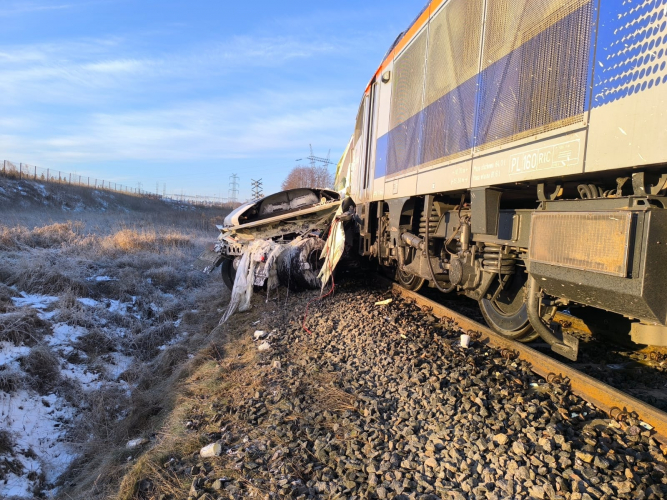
{"points": [[535, 62], [408, 88], [510, 22], [591, 241], [455, 34]]}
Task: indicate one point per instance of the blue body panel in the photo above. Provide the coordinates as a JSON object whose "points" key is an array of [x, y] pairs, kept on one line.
{"points": [[624, 55]]}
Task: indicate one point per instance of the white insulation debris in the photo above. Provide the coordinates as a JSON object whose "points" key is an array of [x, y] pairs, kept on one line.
{"points": [[333, 249], [258, 251], [259, 262]]}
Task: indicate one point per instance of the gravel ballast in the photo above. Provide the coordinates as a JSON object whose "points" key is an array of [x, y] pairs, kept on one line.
{"points": [[381, 401]]}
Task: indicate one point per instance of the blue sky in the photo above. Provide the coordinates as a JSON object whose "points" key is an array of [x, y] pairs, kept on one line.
{"points": [[186, 92]]}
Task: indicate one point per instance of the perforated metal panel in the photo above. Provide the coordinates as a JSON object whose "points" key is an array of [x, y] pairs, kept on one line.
{"points": [[590, 241], [405, 119], [631, 51], [535, 62], [455, 33], [408, 86]]}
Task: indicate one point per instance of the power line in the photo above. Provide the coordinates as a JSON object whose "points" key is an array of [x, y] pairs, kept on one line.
{"points": [[257, 190], [233, 188], [325, 161]]}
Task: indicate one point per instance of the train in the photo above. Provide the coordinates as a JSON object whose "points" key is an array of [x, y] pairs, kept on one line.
{"points": [[515, 151]]}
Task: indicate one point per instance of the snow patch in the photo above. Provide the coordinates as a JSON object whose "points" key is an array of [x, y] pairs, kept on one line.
{"points": [[9, 352], [101, 278], [88, 302], [64, 335], [34, 301], [37, 424]]}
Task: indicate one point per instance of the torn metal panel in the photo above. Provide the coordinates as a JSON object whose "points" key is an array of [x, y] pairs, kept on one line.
{"points": [[209, 259]]}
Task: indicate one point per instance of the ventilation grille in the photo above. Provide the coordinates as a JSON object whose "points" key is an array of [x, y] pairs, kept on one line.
{"points": [[406, 96], [535, 65], [453, 63], [406, 103]]}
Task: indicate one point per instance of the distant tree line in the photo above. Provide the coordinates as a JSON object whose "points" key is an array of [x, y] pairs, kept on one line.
{"points": [[308, 177]]}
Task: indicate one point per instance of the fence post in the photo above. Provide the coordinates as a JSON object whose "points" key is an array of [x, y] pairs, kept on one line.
{"points": [[4, 167], [35, 177], [20, 170]]}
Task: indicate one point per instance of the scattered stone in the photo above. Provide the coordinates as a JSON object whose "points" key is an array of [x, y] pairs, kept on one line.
{"points": [[211, 450], [260, 334], [136, 443], [370, 407], [501, 439]]}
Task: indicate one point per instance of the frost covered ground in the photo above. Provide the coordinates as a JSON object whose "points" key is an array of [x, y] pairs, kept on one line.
{"points": [[95, 315]]}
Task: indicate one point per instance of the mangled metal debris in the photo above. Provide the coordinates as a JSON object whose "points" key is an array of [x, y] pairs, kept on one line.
{"points": [[293, 238]]}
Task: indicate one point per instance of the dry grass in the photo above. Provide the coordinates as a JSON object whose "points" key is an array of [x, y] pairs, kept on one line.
{"points": [[146, 344], [39, 276], [329, 396], [6, 295], [97, 424], [133, 241], [22, 327], [49, 236], [96, 343], [6, 442], [43, 368], [10, 380], [149, 257]]}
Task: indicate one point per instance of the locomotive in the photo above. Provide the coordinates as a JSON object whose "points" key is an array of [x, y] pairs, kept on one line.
{"points": [[515, 151]]}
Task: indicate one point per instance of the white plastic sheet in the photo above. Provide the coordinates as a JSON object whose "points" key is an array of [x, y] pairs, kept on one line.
{"points": [[333, 249], [258, 251]]}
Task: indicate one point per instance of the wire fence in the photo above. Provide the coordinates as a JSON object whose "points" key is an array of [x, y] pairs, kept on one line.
{"points": [[25, 171]]}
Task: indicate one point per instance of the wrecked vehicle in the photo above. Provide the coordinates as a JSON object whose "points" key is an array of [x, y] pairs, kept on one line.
{"points": [[275, 240]]}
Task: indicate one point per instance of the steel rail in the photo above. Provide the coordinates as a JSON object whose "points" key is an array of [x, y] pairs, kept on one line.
{"points": [[601, 395]]}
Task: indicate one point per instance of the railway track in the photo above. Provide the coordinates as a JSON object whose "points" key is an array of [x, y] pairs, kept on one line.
{"points": [[617, 404]]}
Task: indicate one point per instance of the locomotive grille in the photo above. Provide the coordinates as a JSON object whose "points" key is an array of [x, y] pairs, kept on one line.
{"points": [[451, 74], [590, 241], [407, 94], [535, 68], [406, 102]]}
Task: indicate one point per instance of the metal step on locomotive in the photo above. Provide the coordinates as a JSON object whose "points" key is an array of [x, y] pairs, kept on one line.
{"points": [[516, 152]]}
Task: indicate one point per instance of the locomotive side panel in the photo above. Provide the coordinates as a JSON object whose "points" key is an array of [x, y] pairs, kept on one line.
{"points": [[450, 96], [629, 104], [384, 90], [479, 79], [536, 64]]}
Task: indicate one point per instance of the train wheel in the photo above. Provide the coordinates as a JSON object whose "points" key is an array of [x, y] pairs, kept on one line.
{"points": [[505, 312], [409, 281], [228, 273]]}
